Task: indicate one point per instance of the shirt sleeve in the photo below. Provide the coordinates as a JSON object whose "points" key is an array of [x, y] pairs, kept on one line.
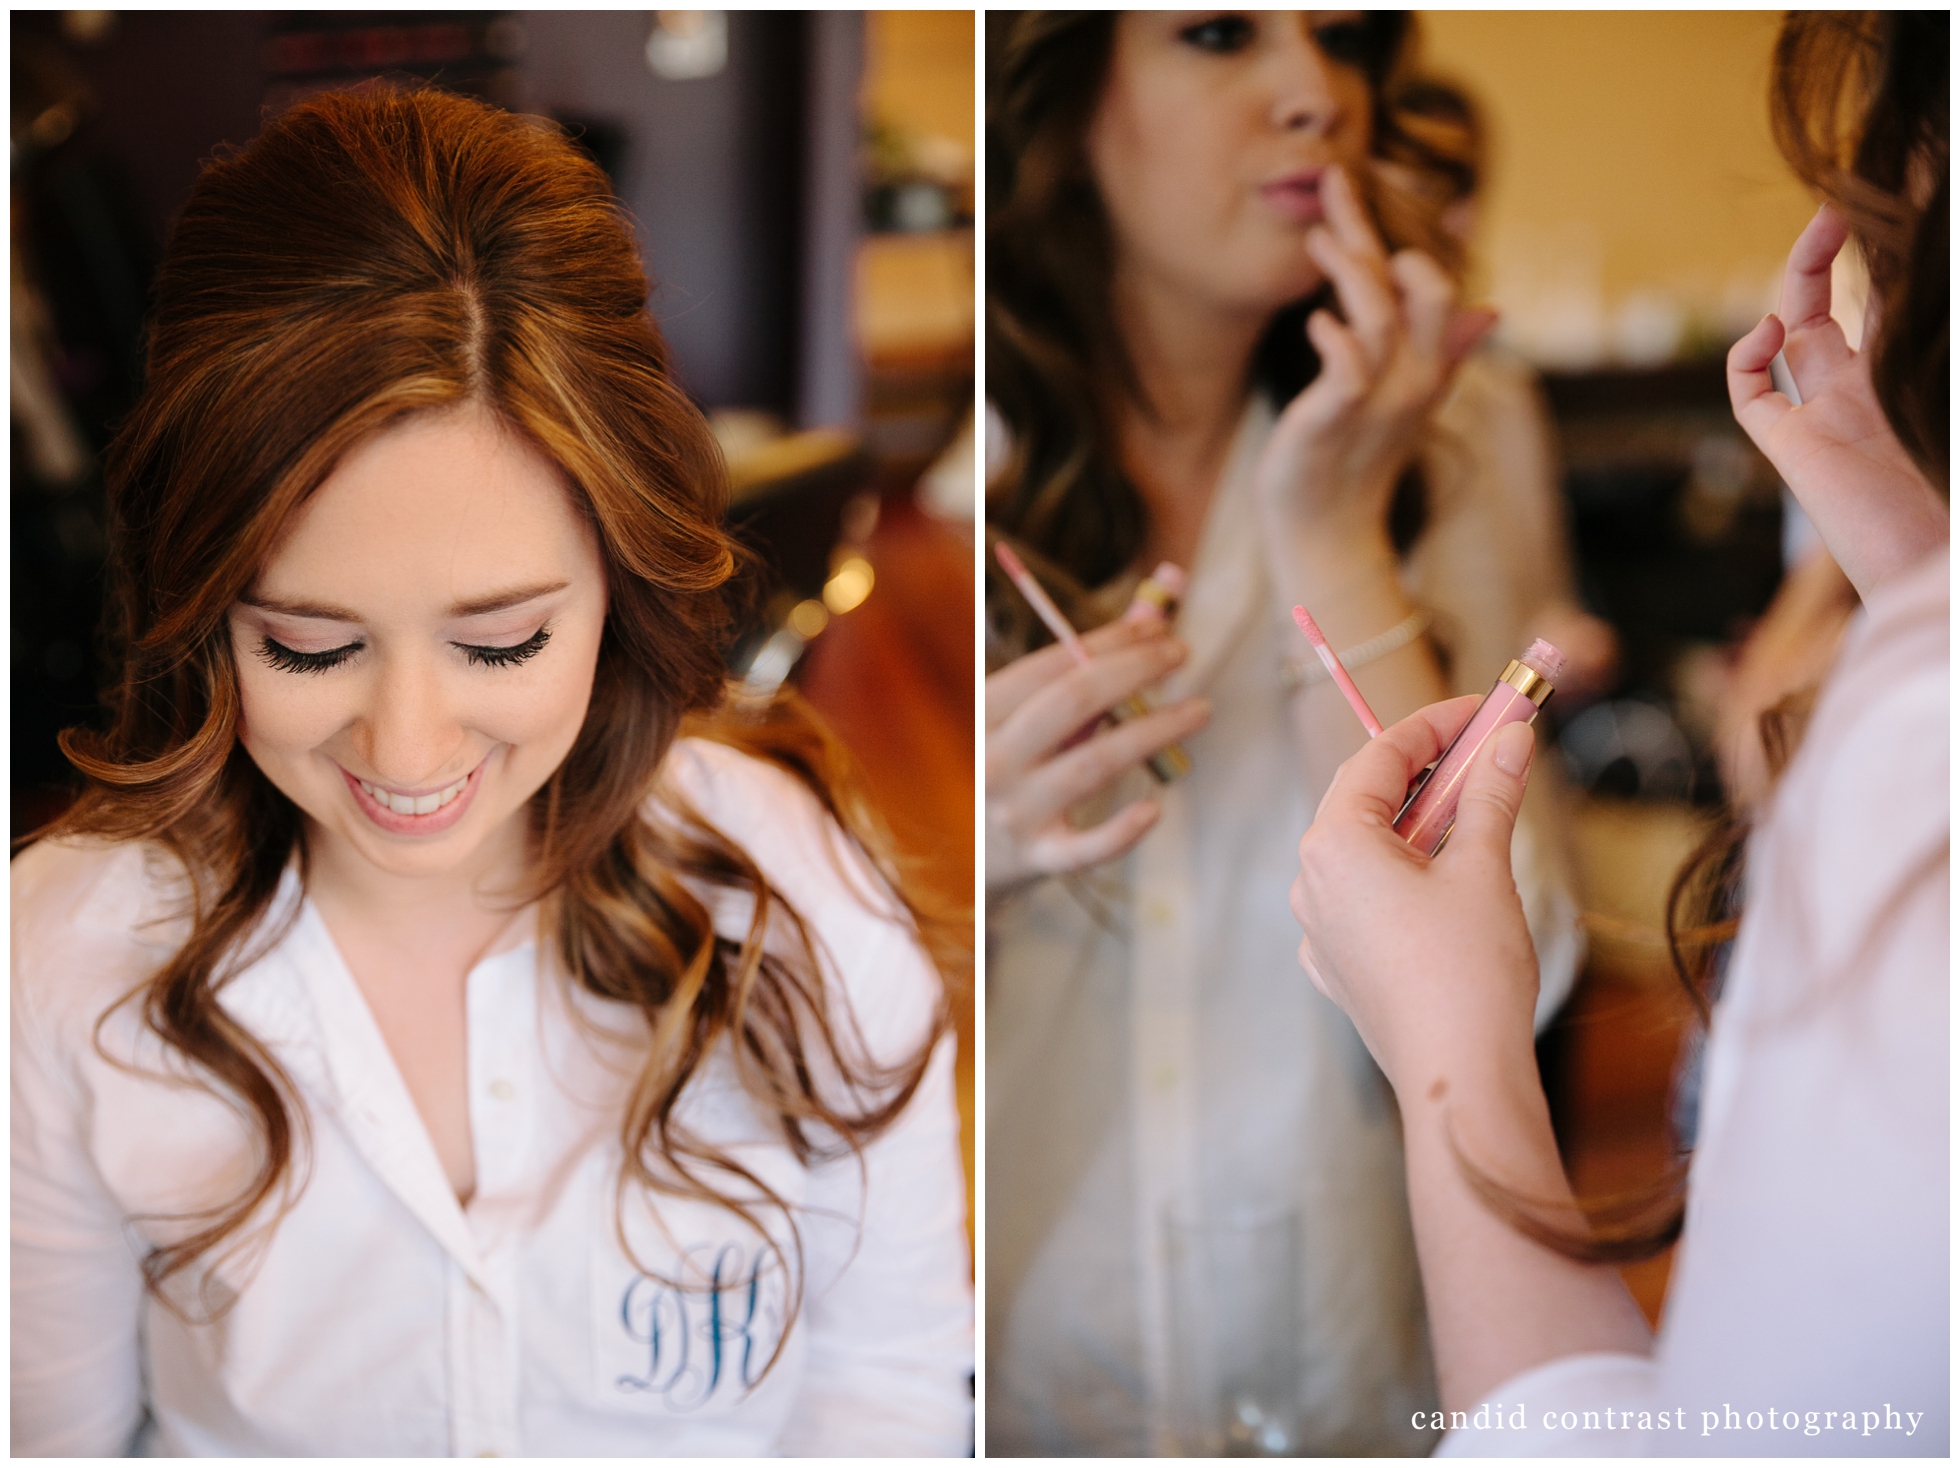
{"points": [[891, 1340], [77, 1286]]}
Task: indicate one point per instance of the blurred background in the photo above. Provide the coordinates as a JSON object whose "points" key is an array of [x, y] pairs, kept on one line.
{"points": [[1631, 222], [802, 185]]}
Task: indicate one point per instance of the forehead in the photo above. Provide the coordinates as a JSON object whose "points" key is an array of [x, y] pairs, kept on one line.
{"points": [[436, 505]]}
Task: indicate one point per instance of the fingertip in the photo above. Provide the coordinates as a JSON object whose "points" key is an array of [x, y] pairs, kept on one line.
{"points": [[1752, 352], [1512, 750]]}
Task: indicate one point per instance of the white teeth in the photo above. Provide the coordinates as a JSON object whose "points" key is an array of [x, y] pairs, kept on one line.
{"points": [[414, 805]]}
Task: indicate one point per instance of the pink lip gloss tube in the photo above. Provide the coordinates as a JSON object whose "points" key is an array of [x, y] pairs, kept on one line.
{"points": [[1429, 813]]}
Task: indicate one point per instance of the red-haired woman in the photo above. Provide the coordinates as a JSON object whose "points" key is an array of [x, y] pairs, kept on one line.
{"points": [[1808, 1311], [445, 1027]]}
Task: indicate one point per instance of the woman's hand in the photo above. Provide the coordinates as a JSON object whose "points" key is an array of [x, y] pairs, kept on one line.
{"points": [[1837, 453], [1429, 956], [1340, 446], [1431, 960], [1035, 774]]}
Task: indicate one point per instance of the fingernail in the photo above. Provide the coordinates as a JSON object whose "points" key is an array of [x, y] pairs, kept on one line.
{"points": [[1513, 748], [1142, 613]]}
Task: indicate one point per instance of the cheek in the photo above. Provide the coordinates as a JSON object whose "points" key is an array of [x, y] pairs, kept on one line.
{"points": [[279, 714], [542, 715], [1161, 168], [283, 728]]}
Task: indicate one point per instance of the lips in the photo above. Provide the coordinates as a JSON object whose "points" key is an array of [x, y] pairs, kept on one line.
{"points": [[414, 805], [412, 813], [1296, 196]]}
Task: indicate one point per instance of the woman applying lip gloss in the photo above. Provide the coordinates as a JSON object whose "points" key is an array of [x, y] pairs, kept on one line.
{"points": [[1221, 335], [446, 1026]]}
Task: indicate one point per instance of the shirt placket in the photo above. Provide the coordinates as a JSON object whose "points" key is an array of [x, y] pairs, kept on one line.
{"points": [[484, 1341], [1163, 1078]]}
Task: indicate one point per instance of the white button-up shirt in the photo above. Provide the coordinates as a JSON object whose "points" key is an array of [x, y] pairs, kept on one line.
{"points": [[379, 1316]]}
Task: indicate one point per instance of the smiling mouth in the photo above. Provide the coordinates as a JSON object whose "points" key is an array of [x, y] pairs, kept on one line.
{"points": [[413, 805], [413, 812]]}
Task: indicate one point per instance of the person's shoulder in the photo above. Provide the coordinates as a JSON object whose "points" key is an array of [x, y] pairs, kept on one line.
{"points": [[858, 922], [89, 919], [106, 888], [1885, 702], [781, 824], [1864, 802]]}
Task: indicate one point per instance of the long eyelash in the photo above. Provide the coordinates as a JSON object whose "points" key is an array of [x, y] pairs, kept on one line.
{"points": [[508, 657], [287, 660]]}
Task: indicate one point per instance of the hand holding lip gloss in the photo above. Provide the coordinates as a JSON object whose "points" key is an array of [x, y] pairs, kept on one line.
{"points": [[1159, 591], [1429, 812]]}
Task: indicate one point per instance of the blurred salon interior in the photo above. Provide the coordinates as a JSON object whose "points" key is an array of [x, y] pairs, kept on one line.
{"points": [[802, 184]]}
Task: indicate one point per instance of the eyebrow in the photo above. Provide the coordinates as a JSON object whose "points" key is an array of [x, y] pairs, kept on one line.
{"points": [[496, 601]]}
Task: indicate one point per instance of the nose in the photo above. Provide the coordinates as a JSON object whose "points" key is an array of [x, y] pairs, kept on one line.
{"points": [[1304, 98], [409, 734]]}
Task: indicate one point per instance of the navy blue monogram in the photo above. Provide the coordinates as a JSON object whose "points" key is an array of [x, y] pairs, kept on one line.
{"points": [[696, 1335]]}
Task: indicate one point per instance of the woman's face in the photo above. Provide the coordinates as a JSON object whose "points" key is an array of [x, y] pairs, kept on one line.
{"points": [[416, 657], [1209, 141]]}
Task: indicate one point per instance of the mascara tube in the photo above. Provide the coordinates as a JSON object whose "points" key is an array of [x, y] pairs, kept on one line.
{"points": [[1429, 814]]}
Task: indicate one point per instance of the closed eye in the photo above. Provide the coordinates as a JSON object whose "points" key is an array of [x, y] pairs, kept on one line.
{"points": [[507, 657], [290, 660]]}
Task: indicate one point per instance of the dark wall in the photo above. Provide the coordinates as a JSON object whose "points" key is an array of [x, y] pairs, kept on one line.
{"points": [[711, 170], [714, 170]]}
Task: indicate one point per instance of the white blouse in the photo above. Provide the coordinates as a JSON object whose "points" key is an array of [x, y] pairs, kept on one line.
{"points": [[380, 1317], [1808, 1312], [1150, 1035]]}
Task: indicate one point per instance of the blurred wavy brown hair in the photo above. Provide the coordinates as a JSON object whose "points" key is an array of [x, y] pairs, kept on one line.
{"points": [[380, 253], [1055, 356]]}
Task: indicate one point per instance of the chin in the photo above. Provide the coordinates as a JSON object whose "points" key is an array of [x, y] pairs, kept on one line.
{"points": [[1266, 280]]}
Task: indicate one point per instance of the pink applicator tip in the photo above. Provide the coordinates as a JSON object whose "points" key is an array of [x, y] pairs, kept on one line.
{"points": [[1545, 658]]}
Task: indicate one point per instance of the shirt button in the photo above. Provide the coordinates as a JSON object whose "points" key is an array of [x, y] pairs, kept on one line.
{"points": [[503, 1090], [1157, 911]]}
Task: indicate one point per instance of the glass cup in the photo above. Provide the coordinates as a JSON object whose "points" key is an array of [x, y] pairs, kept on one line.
{"points": [[1233, 1268]]}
